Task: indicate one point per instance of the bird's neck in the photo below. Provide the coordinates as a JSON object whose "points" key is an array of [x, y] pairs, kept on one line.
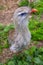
{"points": [[24, 22]]}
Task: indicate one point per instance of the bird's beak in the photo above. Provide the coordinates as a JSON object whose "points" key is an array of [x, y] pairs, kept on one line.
{"points": [[34, 10]]}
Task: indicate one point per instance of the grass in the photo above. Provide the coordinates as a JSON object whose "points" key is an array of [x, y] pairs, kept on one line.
{"points": [[23, 3], [36, 28], [4, 30], [32, 56]]}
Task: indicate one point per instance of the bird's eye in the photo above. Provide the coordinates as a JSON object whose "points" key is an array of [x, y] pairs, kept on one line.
{"points": [[22, 14]]}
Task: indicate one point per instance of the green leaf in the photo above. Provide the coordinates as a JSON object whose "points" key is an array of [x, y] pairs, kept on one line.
{"points": [[37, 60], [11, 63], [1, 64], [23, 3], [32, 50], [20, 63], [41, 49]]}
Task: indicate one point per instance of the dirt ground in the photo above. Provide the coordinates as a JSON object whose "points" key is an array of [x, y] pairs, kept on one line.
{"points": [[6, 18], [7, 13]]}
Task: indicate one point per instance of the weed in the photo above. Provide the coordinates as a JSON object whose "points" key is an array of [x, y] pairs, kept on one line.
{"points": [[23, 3], [4, 35], [32, 56], [36, 29]]}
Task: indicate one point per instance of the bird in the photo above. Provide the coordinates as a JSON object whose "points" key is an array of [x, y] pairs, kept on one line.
{"points": [[22, 35]]}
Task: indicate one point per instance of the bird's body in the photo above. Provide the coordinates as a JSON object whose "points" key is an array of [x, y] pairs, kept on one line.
{"points": [[22, 34]]}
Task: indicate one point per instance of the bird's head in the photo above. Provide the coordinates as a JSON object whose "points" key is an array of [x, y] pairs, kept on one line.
{"points": [[23, 13]]}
